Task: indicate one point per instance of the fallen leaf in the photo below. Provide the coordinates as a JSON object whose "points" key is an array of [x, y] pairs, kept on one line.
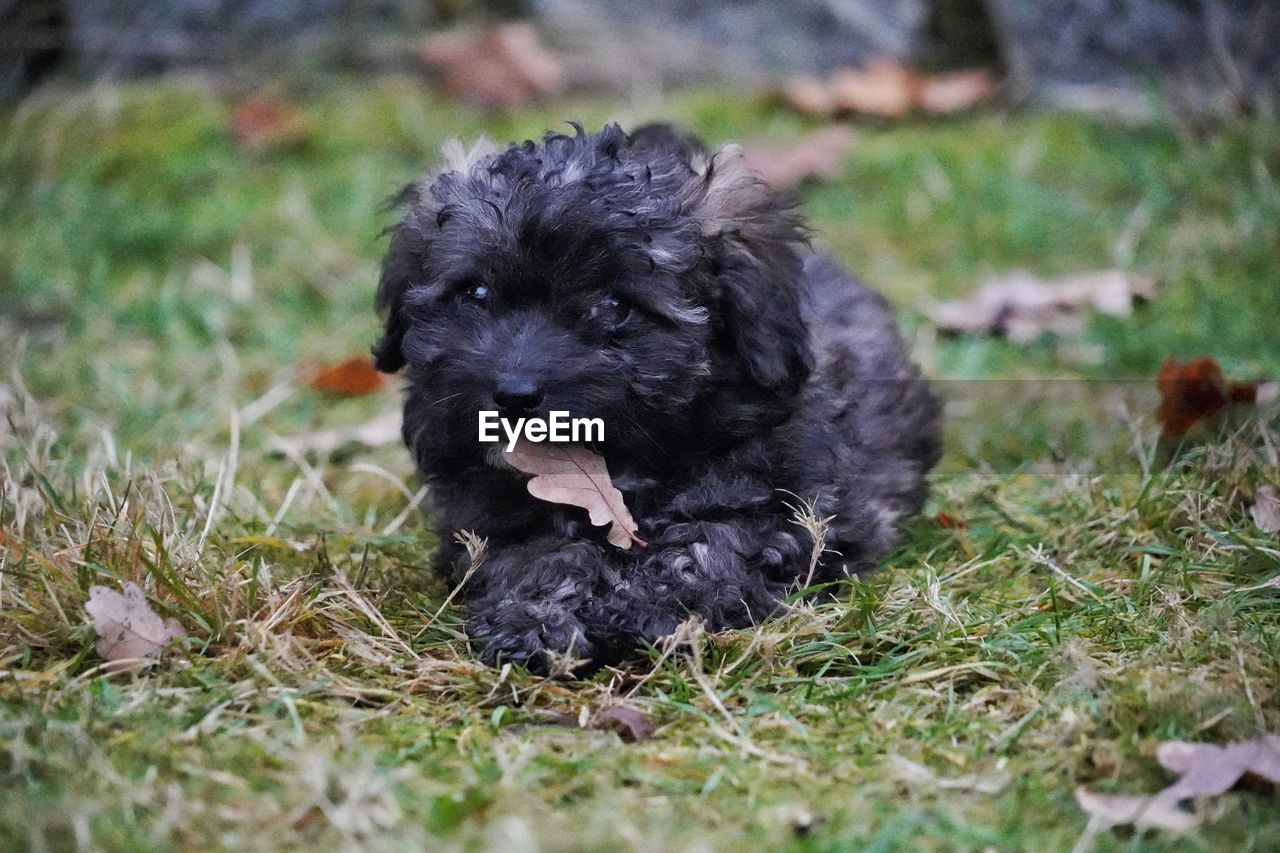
{"points": [[1024, 307], [950, 93], [1194, 392], [263, 121], [820, 154], [888, 89], [630, 723], [1203, 770], [948, 521], [573, 475], [128, 629], [809, 95], [1266, 509], [882, 88], [351, 378], [503, 66], [1118, 809], [382, 430], [1207, 769]]}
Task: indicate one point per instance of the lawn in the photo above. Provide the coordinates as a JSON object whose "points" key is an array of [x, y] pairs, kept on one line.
{"points": [[162, 285]]}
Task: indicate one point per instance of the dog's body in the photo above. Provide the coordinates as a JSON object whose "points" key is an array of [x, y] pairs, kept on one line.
{"points": [[641, 280]]}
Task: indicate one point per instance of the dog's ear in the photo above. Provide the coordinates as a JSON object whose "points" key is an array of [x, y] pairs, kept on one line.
{"points": [[752, 240], [399, 268], [403, 265]]}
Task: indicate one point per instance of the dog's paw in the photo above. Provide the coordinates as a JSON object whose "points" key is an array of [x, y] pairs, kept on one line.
{"points": [[555, 648]]}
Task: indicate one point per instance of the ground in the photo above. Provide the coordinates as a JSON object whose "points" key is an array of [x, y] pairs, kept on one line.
{"points": [[163, 284]]}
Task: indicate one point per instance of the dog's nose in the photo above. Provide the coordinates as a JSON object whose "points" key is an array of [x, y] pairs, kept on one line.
{"points": [[517, 394]]}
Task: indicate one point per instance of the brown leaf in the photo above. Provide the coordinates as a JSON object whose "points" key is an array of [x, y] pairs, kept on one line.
{"points": [[888, 89], [1118, 809], [263, 121], [810, 96], [1024, 307], [1194, 392], [950, 93], [1207, 769], [629, 722], [503, 66], [1266, 509], [1203, 770], [354, 377], [948, 521], [573, 475], [883, 88], [820, 154], [128, 629]]}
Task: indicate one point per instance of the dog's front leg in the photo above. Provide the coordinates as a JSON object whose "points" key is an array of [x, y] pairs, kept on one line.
{"points": [[524, 597], [731, 574]]}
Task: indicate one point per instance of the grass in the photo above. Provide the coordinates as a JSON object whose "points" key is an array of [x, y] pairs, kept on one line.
{"points": [[1101, 595]]}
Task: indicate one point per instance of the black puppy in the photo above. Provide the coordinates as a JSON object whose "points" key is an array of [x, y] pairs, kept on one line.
{"points": [[641, 280]]}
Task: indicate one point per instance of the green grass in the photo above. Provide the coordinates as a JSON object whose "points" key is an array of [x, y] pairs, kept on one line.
{"points": [[156, 278]]}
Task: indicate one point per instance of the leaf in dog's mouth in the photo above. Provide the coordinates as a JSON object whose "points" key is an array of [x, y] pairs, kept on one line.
{"points": [[572, 475]]}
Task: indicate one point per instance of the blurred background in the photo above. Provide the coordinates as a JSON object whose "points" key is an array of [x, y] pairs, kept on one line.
{"points": [[1048, 189]]}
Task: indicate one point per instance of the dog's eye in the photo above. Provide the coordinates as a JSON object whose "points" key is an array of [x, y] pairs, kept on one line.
{"points": [[610, 310], [477, 292]]}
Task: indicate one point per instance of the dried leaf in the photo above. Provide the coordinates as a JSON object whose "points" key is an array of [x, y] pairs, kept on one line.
{"points": [[1207, 769], [1024, 307], [384, 429], [1118, 809], [810, 96], [629, 722], [266, 122], [882, 88], [1266, 509], [573, 475], [948, 521], [888, 89], [1194, 392], [820, 154], [951, 93], [1203, 770], [128, 629], [354, 377], [504, 66]]}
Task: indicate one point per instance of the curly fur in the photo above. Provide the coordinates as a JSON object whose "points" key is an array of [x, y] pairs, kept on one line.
{"points": [[749, 370]]}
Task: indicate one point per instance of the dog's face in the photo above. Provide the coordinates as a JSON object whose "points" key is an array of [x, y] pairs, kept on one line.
{"points": [[629, 280]]}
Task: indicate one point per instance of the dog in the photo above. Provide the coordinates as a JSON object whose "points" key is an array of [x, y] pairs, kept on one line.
{"points": [[646, 281]]}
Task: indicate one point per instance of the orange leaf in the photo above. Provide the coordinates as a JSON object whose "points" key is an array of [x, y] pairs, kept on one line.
{"points": [[352, 378], [572, 475], [262, 121], [1195, 391], [948, 521]]}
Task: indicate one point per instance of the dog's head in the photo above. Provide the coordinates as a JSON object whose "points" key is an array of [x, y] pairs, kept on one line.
{"points": [[636, 279]]}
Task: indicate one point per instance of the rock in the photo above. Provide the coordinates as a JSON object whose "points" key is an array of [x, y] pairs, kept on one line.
{"points": [[1100, 55]]}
